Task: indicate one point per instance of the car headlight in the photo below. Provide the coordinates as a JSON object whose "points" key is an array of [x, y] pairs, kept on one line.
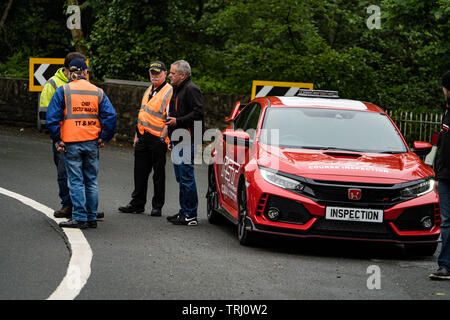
{"points": [[418, 189], [281, 181]]}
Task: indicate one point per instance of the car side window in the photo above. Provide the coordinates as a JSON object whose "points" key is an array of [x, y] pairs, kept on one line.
{"points": [[252, 121], [242, 118]]}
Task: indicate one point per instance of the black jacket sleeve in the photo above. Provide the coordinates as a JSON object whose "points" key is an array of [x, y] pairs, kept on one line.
{"points": [[443, 160]]}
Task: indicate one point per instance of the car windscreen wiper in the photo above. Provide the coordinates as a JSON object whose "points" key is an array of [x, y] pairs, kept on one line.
{"points": [[391, 152], [313, 147], [331, 148]]}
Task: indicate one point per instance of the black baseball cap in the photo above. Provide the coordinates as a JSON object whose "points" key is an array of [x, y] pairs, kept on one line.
{"points": [[157, 66], [72, 55], [78, 64]]}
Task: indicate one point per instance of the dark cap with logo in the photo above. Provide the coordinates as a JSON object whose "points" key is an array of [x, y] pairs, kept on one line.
{"points": [[78, 64], [446, 80], [157, 66]]}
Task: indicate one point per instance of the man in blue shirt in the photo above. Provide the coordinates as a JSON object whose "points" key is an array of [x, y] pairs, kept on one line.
{"points": [[59, 79], [81, 119]]}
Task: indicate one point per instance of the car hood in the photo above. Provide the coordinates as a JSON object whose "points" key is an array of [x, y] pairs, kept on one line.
{"points": [[344, 166]]}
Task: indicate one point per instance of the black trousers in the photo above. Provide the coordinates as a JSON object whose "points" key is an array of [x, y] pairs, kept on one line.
{"points": [[149, 154]]}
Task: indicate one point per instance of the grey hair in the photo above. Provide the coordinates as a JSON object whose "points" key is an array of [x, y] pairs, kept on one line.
{"points": [[75, 74], [183, 67]]}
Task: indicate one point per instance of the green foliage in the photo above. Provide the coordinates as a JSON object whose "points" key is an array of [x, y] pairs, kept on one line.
{"points": [[230, 43], [32, 29], [16, 66]]}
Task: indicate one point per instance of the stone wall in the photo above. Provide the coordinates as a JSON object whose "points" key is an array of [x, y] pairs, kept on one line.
{"points": [[18, 106]]}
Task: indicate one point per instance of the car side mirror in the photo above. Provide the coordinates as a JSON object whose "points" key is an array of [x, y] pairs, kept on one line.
{"points": [[421, 148], [238, 138]]}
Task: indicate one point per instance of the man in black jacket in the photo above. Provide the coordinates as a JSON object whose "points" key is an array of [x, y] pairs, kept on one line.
{"points": [[185, 121], [443, 187]]}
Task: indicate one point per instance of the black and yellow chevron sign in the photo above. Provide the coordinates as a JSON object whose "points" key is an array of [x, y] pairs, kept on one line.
{"points": [[277, 88]]}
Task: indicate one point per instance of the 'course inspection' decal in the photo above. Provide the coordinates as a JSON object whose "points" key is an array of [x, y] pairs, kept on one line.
{"points": [[353, 168]]}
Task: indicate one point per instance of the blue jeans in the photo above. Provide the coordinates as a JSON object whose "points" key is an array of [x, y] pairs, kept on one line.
{"points": [[183, 164], [444, 204], [58, 159], [82, 163]]}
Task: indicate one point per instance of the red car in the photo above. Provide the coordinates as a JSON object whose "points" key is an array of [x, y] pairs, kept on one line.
{"points": [[316, 165]]}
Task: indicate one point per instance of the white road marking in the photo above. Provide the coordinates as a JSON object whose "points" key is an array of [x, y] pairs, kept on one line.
{"points": [[79, 268]]}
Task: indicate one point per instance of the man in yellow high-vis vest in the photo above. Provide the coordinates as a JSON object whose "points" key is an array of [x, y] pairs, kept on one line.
{"points": [[150, 143]]}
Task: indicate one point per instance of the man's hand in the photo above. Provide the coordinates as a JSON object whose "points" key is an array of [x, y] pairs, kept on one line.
{"points": [[101, 143], [171, 121], [60, 146], [136, 139]]}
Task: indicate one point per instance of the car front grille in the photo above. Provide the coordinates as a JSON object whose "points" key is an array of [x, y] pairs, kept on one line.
{"points": [[334, 193], [351, 229], [369, 196]]}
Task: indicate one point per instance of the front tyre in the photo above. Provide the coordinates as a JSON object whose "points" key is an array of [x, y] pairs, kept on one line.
{"points": [[245, 236], [212, 198]]}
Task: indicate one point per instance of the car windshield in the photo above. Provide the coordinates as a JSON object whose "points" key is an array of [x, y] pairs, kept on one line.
{"points": [[331, 129]]}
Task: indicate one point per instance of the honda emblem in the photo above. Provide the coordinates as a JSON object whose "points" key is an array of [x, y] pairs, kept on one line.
{"points": [[354, 194]]}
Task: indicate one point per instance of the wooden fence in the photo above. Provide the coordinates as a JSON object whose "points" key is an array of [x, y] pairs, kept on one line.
{"points": [[416, 126]]}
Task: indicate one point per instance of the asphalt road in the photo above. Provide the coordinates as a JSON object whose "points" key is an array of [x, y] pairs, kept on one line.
{"points": [[136, 256]]}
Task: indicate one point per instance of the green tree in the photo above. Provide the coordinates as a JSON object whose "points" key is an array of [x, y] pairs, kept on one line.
{"points": [[33, 28]]}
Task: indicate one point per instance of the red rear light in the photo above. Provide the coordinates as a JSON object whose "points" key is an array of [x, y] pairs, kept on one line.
{"points": [[434, 138]]}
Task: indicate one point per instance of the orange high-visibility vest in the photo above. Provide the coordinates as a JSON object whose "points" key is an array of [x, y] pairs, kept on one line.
{"points": [[81, 115], [153, 113]]}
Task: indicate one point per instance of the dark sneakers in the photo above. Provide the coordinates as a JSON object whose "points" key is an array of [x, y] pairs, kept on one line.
{"points": [[67, 213], [184, 220], [63, 213], [129, 208], [172, 218], [78, 224], [441, 274], [74, 224]]}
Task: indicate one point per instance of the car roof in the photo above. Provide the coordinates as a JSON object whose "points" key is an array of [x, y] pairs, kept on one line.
{"points": [[331, 103]]}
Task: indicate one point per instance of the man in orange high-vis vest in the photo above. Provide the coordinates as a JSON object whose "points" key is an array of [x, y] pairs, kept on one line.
{"points": [[150, 143], [60, 78], [81, 119]]}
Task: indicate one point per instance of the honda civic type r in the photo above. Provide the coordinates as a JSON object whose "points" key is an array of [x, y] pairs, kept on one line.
{"points": [[316, 165]]}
